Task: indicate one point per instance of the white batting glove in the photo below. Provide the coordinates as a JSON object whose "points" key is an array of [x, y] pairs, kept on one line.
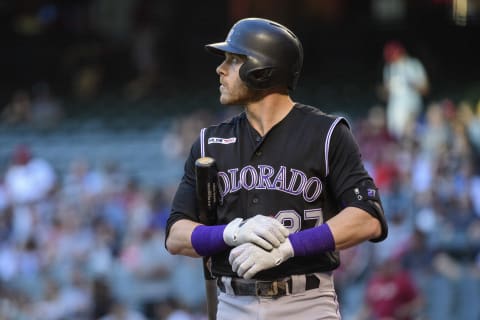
{"points": [[266, 232], [248, 259]]}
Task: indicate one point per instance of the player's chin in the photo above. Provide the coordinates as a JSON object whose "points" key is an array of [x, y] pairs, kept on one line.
{"points": [[227, 100]]}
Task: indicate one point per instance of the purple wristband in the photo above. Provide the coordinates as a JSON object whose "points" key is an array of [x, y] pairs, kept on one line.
{"points": [[208, 240], [312, 241]]}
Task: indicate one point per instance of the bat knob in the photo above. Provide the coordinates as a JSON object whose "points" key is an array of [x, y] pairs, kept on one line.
{"points": [[205, 162]]}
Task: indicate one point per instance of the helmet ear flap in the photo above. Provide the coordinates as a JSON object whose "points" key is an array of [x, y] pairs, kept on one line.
{"points": [[260, 78], [255, 76]]}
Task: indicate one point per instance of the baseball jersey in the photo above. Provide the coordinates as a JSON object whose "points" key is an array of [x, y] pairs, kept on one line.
{"points": [[296, 173]]}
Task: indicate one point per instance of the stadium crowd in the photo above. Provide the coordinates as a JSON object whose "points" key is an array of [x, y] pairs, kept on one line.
{"points": [[88, 243], [429, 266]]}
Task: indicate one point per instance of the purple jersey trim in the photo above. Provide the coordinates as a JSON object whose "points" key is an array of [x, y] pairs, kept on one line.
{"points": [[327, 142]]}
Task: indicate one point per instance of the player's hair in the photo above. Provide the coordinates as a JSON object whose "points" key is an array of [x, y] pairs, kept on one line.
{"points": [[274, 54]]}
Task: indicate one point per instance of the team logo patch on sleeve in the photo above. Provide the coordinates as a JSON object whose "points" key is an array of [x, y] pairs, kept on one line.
{"points": [[222, 140], [371, 192]]}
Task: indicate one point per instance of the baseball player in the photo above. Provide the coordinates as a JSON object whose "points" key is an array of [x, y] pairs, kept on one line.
{"points": [[293, 189]]}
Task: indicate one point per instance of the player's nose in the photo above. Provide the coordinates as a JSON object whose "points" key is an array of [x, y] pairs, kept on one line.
{"points": [[221, 70]]}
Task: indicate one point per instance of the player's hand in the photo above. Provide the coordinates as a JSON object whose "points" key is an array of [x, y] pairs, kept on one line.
{"points": [[266, 232], [248, 259]]}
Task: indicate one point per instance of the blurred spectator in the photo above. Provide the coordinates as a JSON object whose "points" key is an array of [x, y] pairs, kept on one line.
{"points": [[120, 310], [169, 309], [29, 181], [62, 301], [13, 305], [50, 307], [144, 50], [350, 277], [8, 266], [433, 141], [427, 213], [18, 110], [427, 266], [46, 109], [5, 219], [374, 137], [400, 232], [385, 170], [116, 200], [391, 293], [87, 81], [101, 257], [102, 297], [68, 243], [29, 266], [183, 131], [138, 207], [185, 284], [160, 202], [147, 267], [471, 122], [417, 260], [82, 185], [76, 294], [436, 133], [454, 290], [405, 83]]}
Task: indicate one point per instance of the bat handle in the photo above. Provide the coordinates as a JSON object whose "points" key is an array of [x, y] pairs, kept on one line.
{"points": [[210, 290], [206, 269]]}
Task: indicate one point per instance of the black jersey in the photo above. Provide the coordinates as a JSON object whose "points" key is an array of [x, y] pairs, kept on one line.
{"points": [[297, 173]]}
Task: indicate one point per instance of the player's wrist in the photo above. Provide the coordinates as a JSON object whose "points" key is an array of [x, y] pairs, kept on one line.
{"points": [[208, 240], [312, 241], [286, 251]]}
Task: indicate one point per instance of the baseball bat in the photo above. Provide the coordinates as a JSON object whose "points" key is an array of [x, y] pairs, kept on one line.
{"points": [[207, 199]]}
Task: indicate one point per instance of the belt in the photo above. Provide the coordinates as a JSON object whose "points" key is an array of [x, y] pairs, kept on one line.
{"points": [[261, 288]]}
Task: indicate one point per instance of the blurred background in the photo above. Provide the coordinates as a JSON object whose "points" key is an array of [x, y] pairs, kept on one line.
{"points": [[101, 99]]}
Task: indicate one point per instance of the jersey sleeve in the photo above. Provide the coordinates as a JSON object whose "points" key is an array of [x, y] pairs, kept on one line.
{"points": [[347, 173], [345, 166], [184, 201]]}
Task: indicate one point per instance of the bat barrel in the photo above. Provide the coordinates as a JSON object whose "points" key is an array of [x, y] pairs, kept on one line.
{"points": [[207, 190]]}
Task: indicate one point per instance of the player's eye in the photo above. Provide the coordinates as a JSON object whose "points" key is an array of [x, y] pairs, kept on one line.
{"points": [[233, 59]]}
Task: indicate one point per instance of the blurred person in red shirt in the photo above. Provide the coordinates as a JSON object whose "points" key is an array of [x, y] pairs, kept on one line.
{"points": [[391, 293]]}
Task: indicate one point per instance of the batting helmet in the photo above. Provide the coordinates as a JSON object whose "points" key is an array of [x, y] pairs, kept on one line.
{"points": [[274, 54]]}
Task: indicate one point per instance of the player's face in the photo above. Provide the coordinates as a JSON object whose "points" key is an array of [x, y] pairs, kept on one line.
{"points": [[233, 91]]}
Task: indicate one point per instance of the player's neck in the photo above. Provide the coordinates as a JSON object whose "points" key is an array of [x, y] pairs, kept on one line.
{"points": [[269, 111]]}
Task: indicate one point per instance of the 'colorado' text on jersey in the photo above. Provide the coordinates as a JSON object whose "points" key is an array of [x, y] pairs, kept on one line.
{"points": [[292, 174], [264, 177]]}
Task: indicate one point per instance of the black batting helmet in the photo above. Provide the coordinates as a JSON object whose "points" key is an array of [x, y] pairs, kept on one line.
{"points": [[274, 53]]}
